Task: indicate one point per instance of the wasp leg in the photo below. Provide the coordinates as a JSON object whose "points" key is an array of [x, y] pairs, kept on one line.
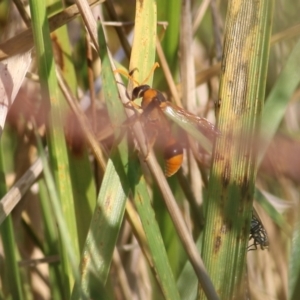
{"points": [[155, 66], [132, 71], [252, 247], [128, 75], [131, 105]]}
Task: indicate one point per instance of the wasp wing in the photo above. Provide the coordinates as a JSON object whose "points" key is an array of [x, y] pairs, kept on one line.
{"points": [[199, 128]]}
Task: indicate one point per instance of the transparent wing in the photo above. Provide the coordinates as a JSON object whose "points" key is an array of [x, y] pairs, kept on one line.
{"points": [[199, 128]]}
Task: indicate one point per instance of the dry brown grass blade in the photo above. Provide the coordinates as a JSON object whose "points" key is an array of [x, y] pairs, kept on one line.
{"points": [[24, 40], [119, 30], [12, 72], [167, 73], [15, 194], [203, 76], [286, 34], [89, 21]]}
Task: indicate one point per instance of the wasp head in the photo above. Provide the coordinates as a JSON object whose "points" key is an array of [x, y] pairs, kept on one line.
{"points": [[139, 91]]}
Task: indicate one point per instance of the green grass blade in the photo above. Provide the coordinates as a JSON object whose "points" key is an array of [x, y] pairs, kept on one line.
{"points": [[110, 207], [161, 264], [51, 244], [187, 282], [83, 183], [272, 212], [169, 11], [12, 272], [279, 97], [231, 185], [55, 134], [104, 229], [145, 38], [59, 215]]}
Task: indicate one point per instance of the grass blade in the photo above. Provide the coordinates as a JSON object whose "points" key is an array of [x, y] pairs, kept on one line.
{"points": [[12, 281], [232, 178], [101, 240], [59, 214], [278, 99], [55, 134]]}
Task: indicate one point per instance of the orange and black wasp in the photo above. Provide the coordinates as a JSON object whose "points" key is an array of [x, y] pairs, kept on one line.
{"points": [[258, 233], [155, 107]]}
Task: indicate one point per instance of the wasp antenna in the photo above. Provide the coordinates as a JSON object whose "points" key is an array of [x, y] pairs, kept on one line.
{"points": [[127, 95], [126, 92], [121, 83], [155, 66]]}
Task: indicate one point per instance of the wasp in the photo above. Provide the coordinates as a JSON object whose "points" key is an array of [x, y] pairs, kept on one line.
{"points": [[155, 108], [258, 233]]}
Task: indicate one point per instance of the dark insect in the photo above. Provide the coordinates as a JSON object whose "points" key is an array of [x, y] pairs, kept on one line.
{"points": [[257, 233]]}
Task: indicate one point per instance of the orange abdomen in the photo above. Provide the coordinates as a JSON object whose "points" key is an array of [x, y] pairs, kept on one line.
{"points": [[173, 155]]}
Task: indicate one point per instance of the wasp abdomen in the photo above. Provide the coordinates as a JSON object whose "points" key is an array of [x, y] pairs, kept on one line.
{"points": [[173, 155]]}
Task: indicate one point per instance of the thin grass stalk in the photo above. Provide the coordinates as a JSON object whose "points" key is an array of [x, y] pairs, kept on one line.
{"points": [[12, 283], [188, 81], [55, 134], [89, 21], [119, 30], [231, 185], [51, 244], [294, 265], [169, 11]]}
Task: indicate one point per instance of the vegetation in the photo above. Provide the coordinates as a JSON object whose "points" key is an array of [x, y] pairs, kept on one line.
{"points": [[86, 211]]}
